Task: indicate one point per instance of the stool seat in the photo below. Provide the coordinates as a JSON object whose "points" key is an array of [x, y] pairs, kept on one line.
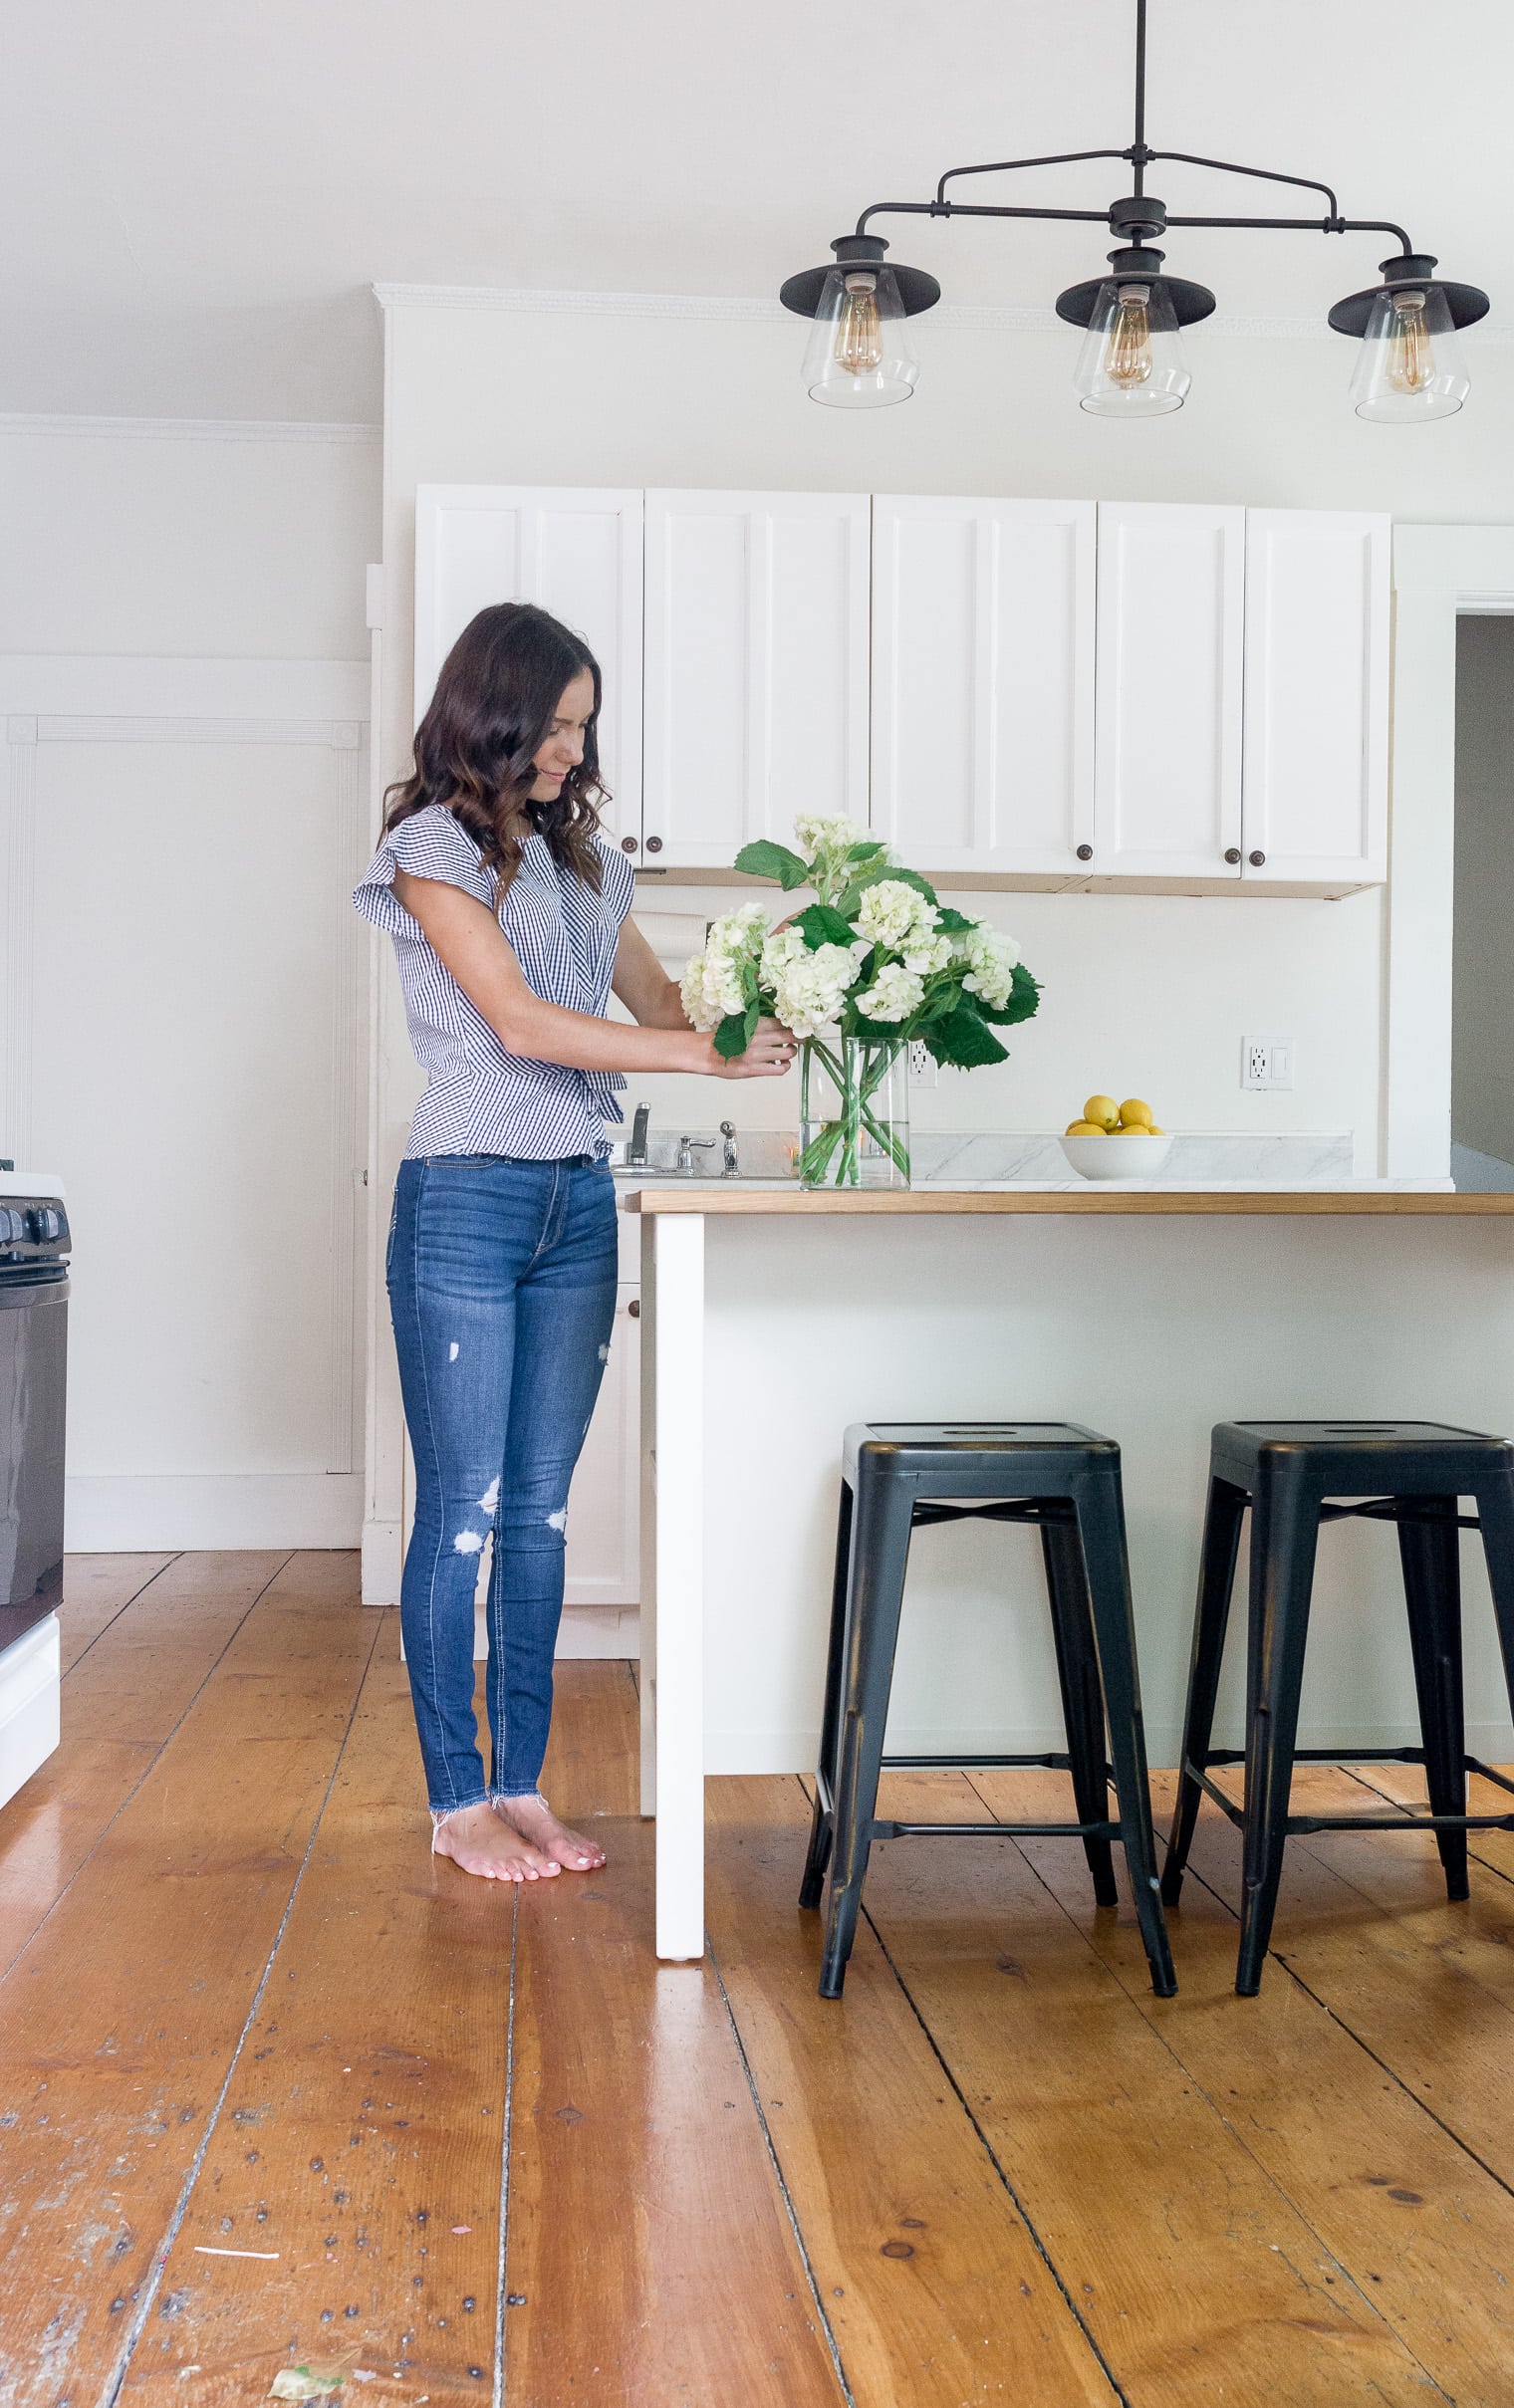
{"points": [[1064, 1478], [1411, 1473]]}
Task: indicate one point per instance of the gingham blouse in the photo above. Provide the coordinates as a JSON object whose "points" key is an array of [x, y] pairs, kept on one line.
{"points": [[479, 1099]]}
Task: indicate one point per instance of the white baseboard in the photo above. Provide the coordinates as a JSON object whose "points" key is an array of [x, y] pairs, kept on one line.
{"points": [[383, 1562], [29, 1728], [109, 1514]]}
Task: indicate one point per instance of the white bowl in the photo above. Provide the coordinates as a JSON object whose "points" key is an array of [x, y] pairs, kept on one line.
{"points": [[1117, 1158]]}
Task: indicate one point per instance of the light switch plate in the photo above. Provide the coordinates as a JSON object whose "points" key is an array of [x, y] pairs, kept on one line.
{"points": [[1267, 1063]]}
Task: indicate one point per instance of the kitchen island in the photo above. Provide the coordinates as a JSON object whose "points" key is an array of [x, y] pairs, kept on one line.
{"points": [[772, 1316]]}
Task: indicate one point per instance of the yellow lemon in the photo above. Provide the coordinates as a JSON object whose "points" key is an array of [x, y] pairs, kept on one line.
{"points": [[1103, 1110], [1084, 1128], [1136, 1114], [1153, 1132]]}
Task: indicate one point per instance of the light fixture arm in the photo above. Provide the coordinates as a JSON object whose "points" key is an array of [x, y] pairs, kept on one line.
{"points": [[1138, 156]]}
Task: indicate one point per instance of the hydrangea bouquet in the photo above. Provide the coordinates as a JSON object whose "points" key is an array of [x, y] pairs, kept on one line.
{"points": [[874, 964]]}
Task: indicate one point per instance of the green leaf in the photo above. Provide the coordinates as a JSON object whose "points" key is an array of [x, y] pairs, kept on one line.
{"points": [[867, 851], [765, 860], [731, 1036], [1024, 1001], [962, 1042], [749, 1023], [822, 924], [880, 1031], [952, 923], [911, 878]]}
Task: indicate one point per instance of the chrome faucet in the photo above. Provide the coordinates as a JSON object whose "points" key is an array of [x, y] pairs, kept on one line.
{"points": [[730, 1164], [688, 1147], [636, 1151]]}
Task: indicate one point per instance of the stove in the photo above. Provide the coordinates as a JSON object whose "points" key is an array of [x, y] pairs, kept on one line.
{"points": [[34, 1244]]}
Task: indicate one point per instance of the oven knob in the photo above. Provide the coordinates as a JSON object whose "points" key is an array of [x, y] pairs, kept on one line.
{"points": [[46, 1225], [10, 1226]]}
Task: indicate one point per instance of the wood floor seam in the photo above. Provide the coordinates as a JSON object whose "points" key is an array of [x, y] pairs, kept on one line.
{"points": [[1001, 2171], [1413, 1822], [149, 1766], [500, 2294], [126, 1605], [778, 2176], [112, 2394]]}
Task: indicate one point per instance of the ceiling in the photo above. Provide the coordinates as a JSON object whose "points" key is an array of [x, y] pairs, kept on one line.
{"points": [[196, 198]]}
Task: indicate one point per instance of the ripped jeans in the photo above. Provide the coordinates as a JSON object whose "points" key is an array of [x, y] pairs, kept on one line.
{"points": [[502, 1288]]}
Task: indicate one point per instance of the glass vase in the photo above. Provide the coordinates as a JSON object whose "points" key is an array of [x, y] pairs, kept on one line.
{"points": [[853, 1112]]}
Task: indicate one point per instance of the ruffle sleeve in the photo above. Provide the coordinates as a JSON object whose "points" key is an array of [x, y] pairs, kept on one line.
{"points": [[429, 845]]}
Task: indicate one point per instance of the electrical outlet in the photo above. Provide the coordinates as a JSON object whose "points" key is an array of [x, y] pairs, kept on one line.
{"points": [[922, 1063], [1267, 1063]]}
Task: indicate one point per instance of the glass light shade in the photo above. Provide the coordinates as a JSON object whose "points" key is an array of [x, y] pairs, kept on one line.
{"points": [[1131, 364], [1411, 365], [859, 355]]}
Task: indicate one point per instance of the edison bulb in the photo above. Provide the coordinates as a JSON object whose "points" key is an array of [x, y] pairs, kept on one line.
{"points": [[860, 334], [1411, 353], [1128, 354]]}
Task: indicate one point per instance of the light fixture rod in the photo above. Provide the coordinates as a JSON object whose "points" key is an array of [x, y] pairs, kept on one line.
{"points": [[1054, 158], [1138, 148]]}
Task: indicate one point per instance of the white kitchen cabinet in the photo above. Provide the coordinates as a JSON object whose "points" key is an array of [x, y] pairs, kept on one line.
{"points": [[575, 551], [1170, 668], [603, 1503], [983, 629], [756, 652], [1317, 695]]}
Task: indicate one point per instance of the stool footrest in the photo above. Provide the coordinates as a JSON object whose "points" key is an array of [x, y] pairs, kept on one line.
{"points": [[995, 1831], [1050, 1761], [1406, 1819]]}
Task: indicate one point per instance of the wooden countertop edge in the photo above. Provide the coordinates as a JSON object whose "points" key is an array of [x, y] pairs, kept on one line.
{"points": [[1250, 1202]]}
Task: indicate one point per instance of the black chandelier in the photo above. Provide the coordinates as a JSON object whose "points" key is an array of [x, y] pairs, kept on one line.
{"points": [[1131, 364]]}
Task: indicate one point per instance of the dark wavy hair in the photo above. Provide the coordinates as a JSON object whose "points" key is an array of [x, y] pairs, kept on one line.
{"points": [[475, 749]]}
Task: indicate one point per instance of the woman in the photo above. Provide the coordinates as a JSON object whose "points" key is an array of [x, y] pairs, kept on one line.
{"points": [[508, 913]]}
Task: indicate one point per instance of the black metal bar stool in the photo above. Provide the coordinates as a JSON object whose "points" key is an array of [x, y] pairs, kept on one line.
{"points": [[1412, 1472], [898, 1476]]}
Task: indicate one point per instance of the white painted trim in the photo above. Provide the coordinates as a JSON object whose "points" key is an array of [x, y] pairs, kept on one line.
{"points": [[29, 1719], [124, 685], [190, 430], [1438, 571], [92, 728], [106, 1513], [675, 1594], [752, 309], [17, 890]]}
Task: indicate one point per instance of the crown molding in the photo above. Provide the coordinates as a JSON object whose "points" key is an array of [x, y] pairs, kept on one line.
{"points": [[190, 430], [966, 316]]}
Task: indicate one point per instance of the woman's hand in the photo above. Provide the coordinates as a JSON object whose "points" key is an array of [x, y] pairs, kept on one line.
{"points": [[769, 1055]]}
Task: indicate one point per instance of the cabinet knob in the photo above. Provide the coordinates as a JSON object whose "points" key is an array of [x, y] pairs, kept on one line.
{"points": [[627, 844], [1085, 853], [1232, 855], [655, 843], [1256, 860], [634, 1307]]}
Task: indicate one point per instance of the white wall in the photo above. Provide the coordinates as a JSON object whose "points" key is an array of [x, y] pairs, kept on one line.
{"points": [[183, 686]]}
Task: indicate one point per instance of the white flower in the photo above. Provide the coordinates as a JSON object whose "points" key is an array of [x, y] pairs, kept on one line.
{"points": [[715, 982], [927, 954], [991, 959], [815, 834], [808, 988], [894, 915], [893, 994]]}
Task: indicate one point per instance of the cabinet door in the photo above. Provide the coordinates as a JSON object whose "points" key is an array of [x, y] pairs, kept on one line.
{"points": [[756, 668], [983, 682], [1317, 673], [575, 551], [603, 1503], [1171, 600]]}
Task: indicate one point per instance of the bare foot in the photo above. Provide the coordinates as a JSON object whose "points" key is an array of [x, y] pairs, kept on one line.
{"points": [[479, 1842], [533, 1817]]}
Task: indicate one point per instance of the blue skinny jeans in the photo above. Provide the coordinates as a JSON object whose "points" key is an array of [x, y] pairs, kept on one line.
{"points": [[502, 1289]]}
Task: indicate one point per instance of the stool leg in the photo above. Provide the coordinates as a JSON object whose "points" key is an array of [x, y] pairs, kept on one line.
{"points": [[882, 1515], [819, 1854], [1430, 1553], [1216, 1578], [1081, 1696], [1101, 1529], [1495, 1511], [1285, 1523]]}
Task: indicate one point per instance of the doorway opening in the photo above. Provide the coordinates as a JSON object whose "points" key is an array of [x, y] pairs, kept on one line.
{"points": [[1482, 972]]}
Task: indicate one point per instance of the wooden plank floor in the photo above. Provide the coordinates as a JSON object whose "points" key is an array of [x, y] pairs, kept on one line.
{"points": [[279, 2089]]}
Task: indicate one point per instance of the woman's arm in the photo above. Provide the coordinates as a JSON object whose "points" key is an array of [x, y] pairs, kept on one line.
{"points": [[644, 986], [469, 942]]}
